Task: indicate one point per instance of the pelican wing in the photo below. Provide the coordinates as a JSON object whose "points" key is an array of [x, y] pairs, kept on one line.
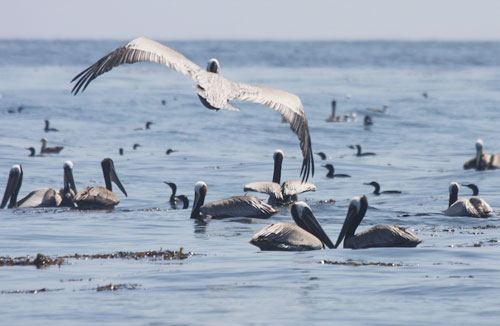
{"points": [[45, 197], [294, 187], [383, 236], [238, 206], [270, 188], [291, 109], [139, 50], [285, 236], [96, 197]]}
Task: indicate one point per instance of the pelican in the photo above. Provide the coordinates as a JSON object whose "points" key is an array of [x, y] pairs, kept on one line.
{"points": [[331, 172], [377, 189], [358, 147], [483, 161], [236, 206], [306, 234], [376, 236], [148, 126], [474, 206], [214, 90], [176, 200], [333, 117], [49, 150], [47, 128], [475, 189], [280, 195], [98, 197], [45, 197]]}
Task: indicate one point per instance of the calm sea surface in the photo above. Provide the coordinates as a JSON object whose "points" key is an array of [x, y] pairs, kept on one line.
{"points": [[421, 144]]}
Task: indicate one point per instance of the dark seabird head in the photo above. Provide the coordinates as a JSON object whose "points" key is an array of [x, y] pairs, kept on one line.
{"points": [[136, 145], [109, 172], [120, 151], [376, 185], [32, 151], [163, 102], [322, 155], [368, 120], [148, 124], [475, 189], [331, 170]]}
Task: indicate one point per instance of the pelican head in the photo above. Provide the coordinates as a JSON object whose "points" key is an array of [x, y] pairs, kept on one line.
{"points": [[200, 190], [13, 185], [453, 189], [355, 213], [213, 66], [278, 160], [108, 169], [479, 145], [304, 217]]}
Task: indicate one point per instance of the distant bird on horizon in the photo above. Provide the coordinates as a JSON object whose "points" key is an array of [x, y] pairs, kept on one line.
{"points": [[368, 121], [214, 91], [359, 153], [377, 189], [33, 152], [333, 117], [47, 128], [17, 110], [136, 145], [120, 151], [170, 151], [146, 127], [331, 172], [483, 161]]}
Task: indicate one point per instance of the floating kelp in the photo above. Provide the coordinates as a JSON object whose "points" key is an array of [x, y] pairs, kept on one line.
{"points": [[114, 287], [44, 261], [355, 263], [29, 291]]}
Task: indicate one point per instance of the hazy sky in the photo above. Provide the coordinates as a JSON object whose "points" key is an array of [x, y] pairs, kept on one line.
{"points": [[252, 19]]}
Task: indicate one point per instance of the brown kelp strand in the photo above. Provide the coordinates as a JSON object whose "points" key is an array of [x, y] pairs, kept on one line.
{"points": [[114, 287], [356, 263]]}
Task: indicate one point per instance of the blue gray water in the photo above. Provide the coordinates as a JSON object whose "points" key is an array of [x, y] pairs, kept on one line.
{"points": [[421, 144]]}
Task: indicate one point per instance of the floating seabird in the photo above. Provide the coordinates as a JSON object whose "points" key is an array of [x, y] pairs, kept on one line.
{"points": [[474, 206], [475, 189], [358, 147], [306, 234], [49, 150], [47, 128], [170, 151], [120, 151], [136, 145], [148, 126], [33, 152], [377, 236], [98, 197], [280, 194], [331, 172], [214, 90], [483, 161], [377, 189], [18, 110], [236, 206], [176, 200], [333, 117], [45, 197], [321, 155], [368, 120]]}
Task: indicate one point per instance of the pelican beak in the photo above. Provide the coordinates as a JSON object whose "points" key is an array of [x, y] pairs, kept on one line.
{"points": [[308, 222], [11, 186], [115, 179], [351, 213]]}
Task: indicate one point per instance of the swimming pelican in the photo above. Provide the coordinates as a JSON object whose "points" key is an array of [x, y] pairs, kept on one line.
{"points": [[45, 197], [377, 189], [483, 161], [376, 236], [306, 234], [333, 117], [98, 197], [280, 194], [176, 200], [475, 189], [49, 150], [214, 91], [236, 206], [474, 206], [47, 128], [331, 172], [358, 147], [148, 125]]}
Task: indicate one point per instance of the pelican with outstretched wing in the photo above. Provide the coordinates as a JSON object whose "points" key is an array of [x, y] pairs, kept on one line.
{"points": [[214, 90]]}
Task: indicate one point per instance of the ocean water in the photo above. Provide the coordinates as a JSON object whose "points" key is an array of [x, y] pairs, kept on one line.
{"points": [[421, 144]]}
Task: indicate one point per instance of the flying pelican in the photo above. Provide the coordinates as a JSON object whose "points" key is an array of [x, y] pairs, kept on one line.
{"points": [[148, 125], [331, 172], [474, 206], [358, 147], [214, 90], [475, 189], [45, 197], [47, 128], [176, 200], [377, 189], [483, 161], [376, 236], [306, 234], [49, 150], [280, 194], [236, 206], [333, 117], [98, 197]]}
